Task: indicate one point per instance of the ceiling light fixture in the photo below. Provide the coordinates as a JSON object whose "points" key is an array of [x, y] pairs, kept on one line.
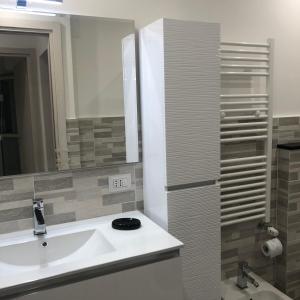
{"points": [[55, 2], [27, 11], [21, 3], [22, 7]]}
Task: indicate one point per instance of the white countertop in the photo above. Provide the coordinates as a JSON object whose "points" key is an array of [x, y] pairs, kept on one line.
{"points": [[150, 239]]}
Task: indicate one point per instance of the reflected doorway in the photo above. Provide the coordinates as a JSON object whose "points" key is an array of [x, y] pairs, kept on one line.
{"points": [[26, 116]]}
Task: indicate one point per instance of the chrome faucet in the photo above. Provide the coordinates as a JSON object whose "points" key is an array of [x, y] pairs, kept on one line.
{"points": [[244, 277], [39, 217]]}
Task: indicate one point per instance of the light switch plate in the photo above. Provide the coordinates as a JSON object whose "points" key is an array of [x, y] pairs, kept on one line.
{"points": [[119, 183]]}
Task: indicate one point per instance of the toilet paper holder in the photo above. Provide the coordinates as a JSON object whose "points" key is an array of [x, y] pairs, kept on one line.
{"points": [[271, 230], [272, 248]]}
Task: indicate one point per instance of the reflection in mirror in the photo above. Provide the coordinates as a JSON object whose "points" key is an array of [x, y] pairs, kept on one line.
{"points": [[25, 105], [65, 85], [130, 96]]}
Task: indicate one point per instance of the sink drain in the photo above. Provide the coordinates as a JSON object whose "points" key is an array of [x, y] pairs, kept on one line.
{"points": [[44, 244]]}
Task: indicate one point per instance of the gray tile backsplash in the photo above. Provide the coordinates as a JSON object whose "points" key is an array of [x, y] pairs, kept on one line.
{"points": [[68, 196], [6, 185], [286, 129], [96, 142], [242, 242]]}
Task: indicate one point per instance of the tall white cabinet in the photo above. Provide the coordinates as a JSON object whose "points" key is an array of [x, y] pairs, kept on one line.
{"points": [[180, 88]]}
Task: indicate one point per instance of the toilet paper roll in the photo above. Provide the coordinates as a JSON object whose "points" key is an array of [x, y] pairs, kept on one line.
{"points": [[272, 248]]}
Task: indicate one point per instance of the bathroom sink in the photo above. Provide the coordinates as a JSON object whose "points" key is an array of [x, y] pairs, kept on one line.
{"points": [[80, 248], [263, 295], [44, 251], [265, 291]]}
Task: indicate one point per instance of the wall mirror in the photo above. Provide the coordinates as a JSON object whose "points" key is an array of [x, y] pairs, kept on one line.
{"points": [[68, 95]]}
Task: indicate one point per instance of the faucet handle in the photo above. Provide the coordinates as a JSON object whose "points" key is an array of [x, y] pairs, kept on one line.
{"points": [[39, 217], [244, 265], [38, 202]]}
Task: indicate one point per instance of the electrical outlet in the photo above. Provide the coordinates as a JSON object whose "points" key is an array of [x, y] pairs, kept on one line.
{"points": [[119, 183]]}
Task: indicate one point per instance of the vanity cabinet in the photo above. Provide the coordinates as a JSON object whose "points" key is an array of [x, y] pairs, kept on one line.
{"points": [[160, 281]]}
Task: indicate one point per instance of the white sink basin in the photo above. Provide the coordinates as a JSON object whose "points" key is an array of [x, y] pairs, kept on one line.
{"points": [[44, 251], [264, 291], [76, 248], [264, 295]]}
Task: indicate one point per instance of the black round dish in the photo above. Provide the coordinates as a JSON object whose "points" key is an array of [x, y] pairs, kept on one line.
{"points": [[126, 224]]}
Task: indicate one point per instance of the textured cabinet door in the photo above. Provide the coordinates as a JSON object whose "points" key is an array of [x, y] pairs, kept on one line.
{"points": [[180, 105], [192, 105], [194, 216], [157, 281], [180, 100]]}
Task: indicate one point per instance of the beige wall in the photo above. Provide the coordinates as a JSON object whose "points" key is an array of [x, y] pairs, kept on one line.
{"points": [[97, 65], [26, 41], [241, 20]]}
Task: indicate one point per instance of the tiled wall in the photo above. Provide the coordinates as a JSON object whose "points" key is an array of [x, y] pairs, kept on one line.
{"points": [[96, 142], [68, 196], [288, 219], [287, 130], [243, 241]]}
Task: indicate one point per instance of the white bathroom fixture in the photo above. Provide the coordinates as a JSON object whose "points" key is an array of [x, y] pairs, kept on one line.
{"points": [[25, 2], [47, 1], [77, 250], [264, 291], [246, 124], [29, 7], [180, 88], [54, 250], [26, 11]]}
